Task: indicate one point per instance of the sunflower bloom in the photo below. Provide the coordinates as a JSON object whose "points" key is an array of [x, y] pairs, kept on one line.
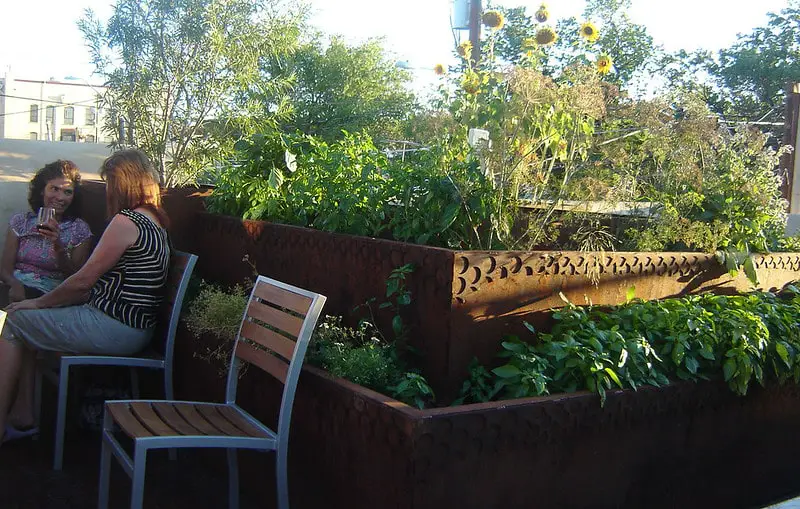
{"points": [[604, 64], [493, 19], [471, 83], [528, 44], [546, 36], [589, 31], [438, 69], [542, 14], [464, 49]]}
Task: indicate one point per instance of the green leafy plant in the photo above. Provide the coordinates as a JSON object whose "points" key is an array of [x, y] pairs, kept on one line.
{"points": [[361, 355], [356, 354], [479, 386], [414, 390], [742, 339], [397, 297], [217, 311]]}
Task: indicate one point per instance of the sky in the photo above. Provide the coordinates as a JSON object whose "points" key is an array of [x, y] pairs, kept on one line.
{"points": [[39, 39]]}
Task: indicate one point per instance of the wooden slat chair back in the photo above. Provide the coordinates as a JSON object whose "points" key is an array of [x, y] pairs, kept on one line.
{"points": [[276, 328], [158, 355]]}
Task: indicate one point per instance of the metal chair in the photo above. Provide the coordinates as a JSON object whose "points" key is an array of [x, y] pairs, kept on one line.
{"points": [[273, 336], [56, 366]]}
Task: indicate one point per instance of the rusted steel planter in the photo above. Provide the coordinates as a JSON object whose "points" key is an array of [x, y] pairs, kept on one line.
{"points": [[685, 445], [463, 302]]}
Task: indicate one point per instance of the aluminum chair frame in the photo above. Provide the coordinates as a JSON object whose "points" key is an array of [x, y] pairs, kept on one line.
{"points": [[273, 441], [60, 376]]}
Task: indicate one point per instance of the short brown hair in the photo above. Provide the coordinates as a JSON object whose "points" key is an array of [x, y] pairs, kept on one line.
{"points": [[131, 182], [56, 169]]}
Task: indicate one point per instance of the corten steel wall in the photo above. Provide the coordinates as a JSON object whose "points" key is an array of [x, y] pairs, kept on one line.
{"points": [[493, 293], [686, 445], [463, 302]]}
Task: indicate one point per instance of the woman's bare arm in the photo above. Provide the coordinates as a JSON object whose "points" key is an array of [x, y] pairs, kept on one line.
{"points": [[120, 234]]}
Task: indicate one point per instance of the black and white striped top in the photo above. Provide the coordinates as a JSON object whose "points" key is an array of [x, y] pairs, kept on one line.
{"points": [[133, 289]]}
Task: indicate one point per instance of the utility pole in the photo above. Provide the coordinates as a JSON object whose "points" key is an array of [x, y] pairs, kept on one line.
{"points": [[475, 29]]}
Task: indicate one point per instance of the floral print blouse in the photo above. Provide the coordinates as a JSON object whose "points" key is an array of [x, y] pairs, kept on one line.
{"points": [[37, 264]]}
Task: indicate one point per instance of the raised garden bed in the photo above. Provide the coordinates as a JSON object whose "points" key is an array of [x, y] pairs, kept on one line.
{"points": [[695, 445], [685, 445]]}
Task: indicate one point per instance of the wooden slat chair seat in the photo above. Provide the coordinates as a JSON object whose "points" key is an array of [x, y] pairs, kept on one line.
{"points": [[55, 366], [140, 419], [273, 336]]}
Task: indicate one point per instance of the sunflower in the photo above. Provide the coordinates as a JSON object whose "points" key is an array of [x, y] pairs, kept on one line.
{"points": [[438, 69], [546, 36], [589, 32], [493, 19], [542, 14], [464, 49], [471, 83], [528, 44], [604, 64]]}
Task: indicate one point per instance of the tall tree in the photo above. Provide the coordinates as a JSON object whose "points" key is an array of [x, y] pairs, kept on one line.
{"points": [[753, 73], [340, 87], [178, 71]]}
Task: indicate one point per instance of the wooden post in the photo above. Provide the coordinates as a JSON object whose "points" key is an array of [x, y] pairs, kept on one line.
{"points": [[475, 29], [790, 162]]}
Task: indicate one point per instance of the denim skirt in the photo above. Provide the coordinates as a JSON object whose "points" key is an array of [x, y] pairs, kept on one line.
{"points": [[74, 329]]}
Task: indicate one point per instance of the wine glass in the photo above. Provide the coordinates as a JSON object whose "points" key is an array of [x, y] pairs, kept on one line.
{"points": [[44, 216]]}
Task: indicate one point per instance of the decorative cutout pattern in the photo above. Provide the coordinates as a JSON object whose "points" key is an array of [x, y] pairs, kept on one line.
{"points": [[472, 269]]}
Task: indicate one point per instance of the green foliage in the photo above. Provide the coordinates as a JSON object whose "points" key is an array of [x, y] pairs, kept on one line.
{"points": [[479, 386], [341, 88], [628, 44], [171, 67], [438, 197], [359, 355], [712, 189], [753, 73], [398, 296], [741, 339], [365, 356], [217, 311], [414, 390], [362, 356]]}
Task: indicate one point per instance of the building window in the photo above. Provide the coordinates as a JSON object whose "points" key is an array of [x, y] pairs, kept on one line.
{"points": [[91, 116], [90, 138], [34, 136], [68, 135], [34, 112], [69, 115], [50, 113]]}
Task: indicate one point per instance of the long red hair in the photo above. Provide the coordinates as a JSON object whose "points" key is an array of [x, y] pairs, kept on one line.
{"points": [[131, 183]]}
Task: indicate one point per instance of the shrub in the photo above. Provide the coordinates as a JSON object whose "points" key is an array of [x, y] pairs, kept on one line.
{"points": [[218, 312], [741, 339], [361, 356]]}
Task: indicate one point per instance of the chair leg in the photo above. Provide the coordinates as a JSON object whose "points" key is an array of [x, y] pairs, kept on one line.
{"points": [[282, 477], [61, 416], [139, 467], [37, 398], [134, 383], [168, 395], [105, 472], [233, 480]]}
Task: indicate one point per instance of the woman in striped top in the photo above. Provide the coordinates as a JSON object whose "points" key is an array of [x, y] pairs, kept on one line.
{"points": [[124, 280]]}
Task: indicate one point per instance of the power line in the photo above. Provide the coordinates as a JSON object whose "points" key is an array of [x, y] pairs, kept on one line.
{"points": [[28, 110], [34, 99]]}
